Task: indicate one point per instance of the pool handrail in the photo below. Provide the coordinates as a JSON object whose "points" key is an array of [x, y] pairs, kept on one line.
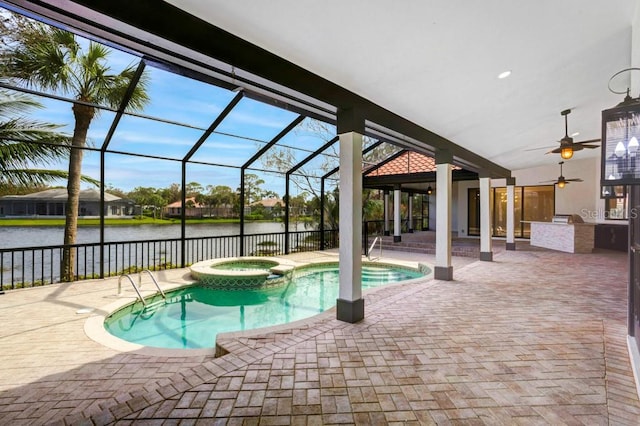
{"points": [[153, 278], [135, 287], [375, 240]]}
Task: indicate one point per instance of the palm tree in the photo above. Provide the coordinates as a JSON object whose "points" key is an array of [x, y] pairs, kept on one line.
{"points": [[51, 59], [26, 143]]}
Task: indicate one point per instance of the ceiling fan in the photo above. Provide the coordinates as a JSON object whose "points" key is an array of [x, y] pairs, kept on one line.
{"points": [[562, 181], [567, 145]]}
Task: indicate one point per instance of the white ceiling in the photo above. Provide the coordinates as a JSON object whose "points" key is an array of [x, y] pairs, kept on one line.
{"points": [[436, 62]]}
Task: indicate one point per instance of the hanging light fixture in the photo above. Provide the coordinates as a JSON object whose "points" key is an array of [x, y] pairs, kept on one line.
{"points": [[620, 164], [429, 190], [566, 152]]}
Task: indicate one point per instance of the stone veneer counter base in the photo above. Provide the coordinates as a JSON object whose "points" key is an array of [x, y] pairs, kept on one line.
{"points": [[570, 238]]}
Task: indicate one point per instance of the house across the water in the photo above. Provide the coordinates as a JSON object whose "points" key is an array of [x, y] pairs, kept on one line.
{"points": [[52, 202]]}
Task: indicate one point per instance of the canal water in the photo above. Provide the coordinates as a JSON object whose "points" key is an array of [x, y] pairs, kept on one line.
{"points": [[24, 267], [33, 236]]}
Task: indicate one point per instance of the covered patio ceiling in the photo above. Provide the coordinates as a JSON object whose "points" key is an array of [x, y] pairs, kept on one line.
{"points": [[436, 62], [424, 72]]}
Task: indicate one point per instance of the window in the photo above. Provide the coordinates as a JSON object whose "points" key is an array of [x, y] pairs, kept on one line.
{"points": [[500, 212], [424, 213], [538, 206], [531, 203], [473, 221]]}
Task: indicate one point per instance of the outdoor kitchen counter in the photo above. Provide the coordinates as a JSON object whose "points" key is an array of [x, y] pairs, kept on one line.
{"points": [[567, 237]]}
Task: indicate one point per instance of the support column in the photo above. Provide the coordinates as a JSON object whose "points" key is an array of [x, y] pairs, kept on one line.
{"points": [[350, 304], [443, 270], [397, 220], [322, 237], [410, 215], [386, 213], [511, 195], [486, 252]]}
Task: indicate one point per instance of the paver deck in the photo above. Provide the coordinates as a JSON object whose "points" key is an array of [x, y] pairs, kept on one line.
{"points": [[534, 337]]}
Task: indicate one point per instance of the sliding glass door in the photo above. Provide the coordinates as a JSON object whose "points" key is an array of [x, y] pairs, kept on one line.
{"points": [[531, 203]]}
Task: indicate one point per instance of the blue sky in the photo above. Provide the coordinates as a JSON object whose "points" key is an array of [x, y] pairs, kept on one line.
{"points": [[179, 99]]}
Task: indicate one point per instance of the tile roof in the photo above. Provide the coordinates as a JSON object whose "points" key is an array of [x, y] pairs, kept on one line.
{"points": [[408, 162], [269, 202], [178, 204]]}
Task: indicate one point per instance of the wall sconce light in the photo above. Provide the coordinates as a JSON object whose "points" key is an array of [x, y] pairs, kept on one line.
{"points": [[429, 190], [620, 164]]}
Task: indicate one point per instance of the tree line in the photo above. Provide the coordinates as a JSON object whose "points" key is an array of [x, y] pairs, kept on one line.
{"points": [[212, 200]]}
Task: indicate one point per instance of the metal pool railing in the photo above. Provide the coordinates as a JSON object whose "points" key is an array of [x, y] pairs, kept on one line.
{"points": [[35, 266]]}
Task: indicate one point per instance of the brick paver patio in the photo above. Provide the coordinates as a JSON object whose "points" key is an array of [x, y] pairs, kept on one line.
{"points": [[534, 337]]}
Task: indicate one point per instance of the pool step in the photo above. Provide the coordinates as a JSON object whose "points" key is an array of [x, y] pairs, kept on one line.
{"points": [[460, 248], [150, 309], [366, 273]]}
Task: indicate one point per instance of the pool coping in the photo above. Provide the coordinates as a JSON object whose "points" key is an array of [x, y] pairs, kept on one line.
{"points": [[95, 330], [208, 267]]}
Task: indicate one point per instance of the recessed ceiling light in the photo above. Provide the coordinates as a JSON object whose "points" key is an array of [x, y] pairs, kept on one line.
{"points": [[574, 134], [504, 74]]}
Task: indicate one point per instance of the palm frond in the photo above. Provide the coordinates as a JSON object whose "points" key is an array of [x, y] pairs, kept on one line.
{"points": [[51, 59], [12, 104], [38, 55], [37, 177], [26, 142], [21, 154], [140, 93]]}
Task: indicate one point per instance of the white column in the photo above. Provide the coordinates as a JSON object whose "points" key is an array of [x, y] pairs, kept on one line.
{"points": [[350, 306], [511, 195], [443, 269], [386, 212], [486, 252], [410, 207], [397, 220]]}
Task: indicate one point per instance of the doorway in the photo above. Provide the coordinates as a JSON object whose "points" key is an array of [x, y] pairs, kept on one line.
{"points": [[473, 222]]}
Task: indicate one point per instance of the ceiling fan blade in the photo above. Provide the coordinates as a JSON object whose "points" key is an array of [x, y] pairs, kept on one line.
{"points": [[549, 181], [539, 148], [590, 146], [554, 151], [587, 141], [574, 180]]}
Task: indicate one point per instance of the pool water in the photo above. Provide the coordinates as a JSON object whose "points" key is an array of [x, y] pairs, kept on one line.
{"points": [[192, 317], [245, 265]]}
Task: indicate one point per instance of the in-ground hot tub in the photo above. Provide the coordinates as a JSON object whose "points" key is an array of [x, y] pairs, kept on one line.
{"points": [[241, 272]]}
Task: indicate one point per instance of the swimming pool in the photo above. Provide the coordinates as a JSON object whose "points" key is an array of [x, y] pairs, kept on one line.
{"points": [[191, 317]]}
